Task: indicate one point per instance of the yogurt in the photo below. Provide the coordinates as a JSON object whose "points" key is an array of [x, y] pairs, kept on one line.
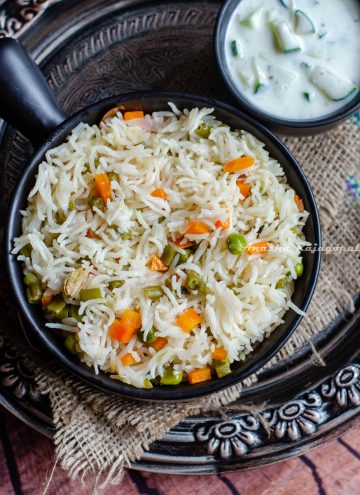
{"points": [[295, 59]]}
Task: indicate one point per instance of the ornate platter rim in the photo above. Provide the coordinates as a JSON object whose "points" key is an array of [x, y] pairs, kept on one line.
{"points": [[308, 417]]}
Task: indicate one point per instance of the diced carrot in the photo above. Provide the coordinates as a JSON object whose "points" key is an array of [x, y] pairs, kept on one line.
{"points": [[299, 203], [131, 319], [219, 354], [222, 225], [117, 260], [128, 360], [136, 114], [91, 235], [244, 188], [239, 164], [183, 244], [121, 332], [258, 248], [103, 187], [199, 375], [159, 193], [188, 320], [156, 265], [159, 343], [197, 227], [112, 112], [124, 328], [46, 299]]}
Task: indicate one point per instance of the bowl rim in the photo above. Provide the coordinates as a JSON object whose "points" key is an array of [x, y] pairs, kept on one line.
{"points": [[320, 124], [73, 364]]}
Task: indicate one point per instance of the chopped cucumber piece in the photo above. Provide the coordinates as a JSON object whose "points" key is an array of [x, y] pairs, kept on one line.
{"points": [[261, 80], [309, 95], [247, 78], [332, 85], [281, 77], [285, 3], [303, 23], [236, 49], [253, 20], [285, 40]]}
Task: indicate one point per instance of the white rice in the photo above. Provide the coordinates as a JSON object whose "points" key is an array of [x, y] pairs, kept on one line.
{"points": [[243, 305]]}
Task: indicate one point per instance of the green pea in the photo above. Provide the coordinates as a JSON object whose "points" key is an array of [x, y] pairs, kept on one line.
{"points": [[170, 378], [299, 269], [168, 255], [203, 130], [236, 244], [96, 202], [184, 257], [34, 293], [113, 176], [153, 292], [70, 343], [115, 284], [26, 250], [74, 313], [31, 278], [88, 294], [222, 368], [150, 337], [57, 307], [193, 280]]}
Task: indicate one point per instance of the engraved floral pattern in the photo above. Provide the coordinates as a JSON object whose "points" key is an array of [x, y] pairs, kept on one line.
{"points": [[229, 438], [296, 418], [344, 387]]}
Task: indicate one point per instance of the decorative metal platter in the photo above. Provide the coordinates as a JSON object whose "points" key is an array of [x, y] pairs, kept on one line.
{"points": [[91, 49]]}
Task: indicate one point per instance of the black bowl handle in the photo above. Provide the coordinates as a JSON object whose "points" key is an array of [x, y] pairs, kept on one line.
{"points": [[26, 101]]}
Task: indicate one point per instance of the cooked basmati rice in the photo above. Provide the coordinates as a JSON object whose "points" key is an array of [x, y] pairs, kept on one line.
{"points": [[245, 302]]}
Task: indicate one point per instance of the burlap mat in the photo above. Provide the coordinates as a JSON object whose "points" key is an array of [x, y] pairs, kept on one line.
{"points": [[97, 434]]}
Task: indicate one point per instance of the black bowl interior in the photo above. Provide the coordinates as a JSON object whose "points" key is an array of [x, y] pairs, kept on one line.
{"points": [[287, 126], [304, 288]]}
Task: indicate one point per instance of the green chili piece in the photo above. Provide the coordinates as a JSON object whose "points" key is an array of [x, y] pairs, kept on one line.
{"points": [[26, 250], [88, 294], [96, 202], [170, 378], [222, 368], [147, 383], [236, 244], [57, 306], [115, 284], [168, 255], [203, 130], [150, 337], [34, 293], [113, 176], [70, 343], [126, 236], [299, 269], [153, 292], [184, 257], [74, 313], [31, 278]]}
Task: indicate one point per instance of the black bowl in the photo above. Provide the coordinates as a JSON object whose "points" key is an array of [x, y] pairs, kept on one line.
{"points": [[285, 126], [304, 286]]}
